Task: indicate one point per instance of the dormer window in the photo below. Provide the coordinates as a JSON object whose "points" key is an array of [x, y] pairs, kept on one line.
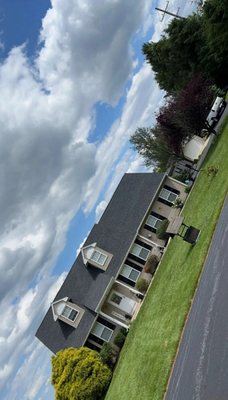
{"points": [[99, 257], [67, 311], [94, 255]]}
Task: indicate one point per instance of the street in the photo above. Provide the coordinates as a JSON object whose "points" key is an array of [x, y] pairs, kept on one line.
{"points": [[201, 368]]}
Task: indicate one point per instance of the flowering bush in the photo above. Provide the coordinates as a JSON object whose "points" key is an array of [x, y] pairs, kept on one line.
{"points": [[151, 264]]}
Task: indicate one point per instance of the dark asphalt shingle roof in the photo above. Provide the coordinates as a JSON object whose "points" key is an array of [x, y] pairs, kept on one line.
{"points": [[114, 233]]}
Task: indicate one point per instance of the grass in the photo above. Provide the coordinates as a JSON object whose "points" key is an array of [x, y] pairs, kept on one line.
{"points": [[147, 357]]}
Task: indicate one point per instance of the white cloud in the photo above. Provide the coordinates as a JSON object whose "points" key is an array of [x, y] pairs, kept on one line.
{"points": [[91, 41], [81, 245], [46, 117], [37, 366], [19, 323], [100, 209], [129, 162], [142, 100], [136, 165]]}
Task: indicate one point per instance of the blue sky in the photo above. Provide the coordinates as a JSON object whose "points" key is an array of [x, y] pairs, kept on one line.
{"points": [[21, 22], [74, 87]]}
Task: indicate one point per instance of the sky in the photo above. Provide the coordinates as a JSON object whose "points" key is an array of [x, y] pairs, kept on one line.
{"points": [[74, 86]]}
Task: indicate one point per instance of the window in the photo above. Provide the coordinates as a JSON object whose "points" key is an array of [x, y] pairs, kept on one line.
{"points": [[102, 331], [140, 251], [153, 221], [115, 298], [69, 313], [168, 196], [130, 273], [98, 257], [94, 256]]}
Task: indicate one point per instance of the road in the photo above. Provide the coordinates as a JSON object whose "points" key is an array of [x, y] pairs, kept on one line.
{"points": [[201, 368]]}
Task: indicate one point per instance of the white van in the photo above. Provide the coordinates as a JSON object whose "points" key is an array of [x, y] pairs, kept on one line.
{"points": [[216, 111]]}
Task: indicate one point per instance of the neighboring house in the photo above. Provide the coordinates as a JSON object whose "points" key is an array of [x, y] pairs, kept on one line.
{"points": [[194, 148], [98, 295]]}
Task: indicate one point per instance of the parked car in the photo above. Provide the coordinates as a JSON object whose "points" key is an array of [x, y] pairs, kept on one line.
{"points": [[216, 111]]}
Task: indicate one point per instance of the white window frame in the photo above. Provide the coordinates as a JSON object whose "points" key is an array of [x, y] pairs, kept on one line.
{"points": [[136, 245], [131, 269], [67, 306], [100, 255], [153, 225], [104, 327], [166, 197]]}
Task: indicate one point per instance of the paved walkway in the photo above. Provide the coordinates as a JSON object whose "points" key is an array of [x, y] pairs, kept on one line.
{"points": [[201, 368]]}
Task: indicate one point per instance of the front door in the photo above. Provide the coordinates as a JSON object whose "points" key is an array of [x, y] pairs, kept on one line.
{"points": [[124, 303]]}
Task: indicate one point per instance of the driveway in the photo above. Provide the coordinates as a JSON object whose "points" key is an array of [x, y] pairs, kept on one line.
{"points": [[201, 368], [211, 140]]}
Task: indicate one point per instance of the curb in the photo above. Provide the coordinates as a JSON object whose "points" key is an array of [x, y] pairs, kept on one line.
{"points": [[190, 308]]}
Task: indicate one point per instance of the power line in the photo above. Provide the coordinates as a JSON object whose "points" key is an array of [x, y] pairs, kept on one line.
{"points": [[165, 11]]}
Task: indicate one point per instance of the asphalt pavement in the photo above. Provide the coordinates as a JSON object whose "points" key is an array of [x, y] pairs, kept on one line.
{"points": [[201, 368]]}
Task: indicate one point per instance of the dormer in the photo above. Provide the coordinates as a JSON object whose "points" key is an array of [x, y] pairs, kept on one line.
{"points": [[67, 311], [96, 256]]}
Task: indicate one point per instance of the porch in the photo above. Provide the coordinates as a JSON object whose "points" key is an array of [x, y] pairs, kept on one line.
{"points": [[122, 304]]}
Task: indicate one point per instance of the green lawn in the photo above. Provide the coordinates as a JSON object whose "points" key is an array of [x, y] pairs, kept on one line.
{"points": [[146, 359]]}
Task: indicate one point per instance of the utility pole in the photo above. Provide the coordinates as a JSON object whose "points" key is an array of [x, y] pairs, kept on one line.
{"points": [[165, 11]]}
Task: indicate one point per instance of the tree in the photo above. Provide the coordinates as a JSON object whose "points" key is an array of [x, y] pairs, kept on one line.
{"points": [[215, 34], [175, 57], [169, 128], [182, 116], [153, 148], [191, 106], [79, 374], [196, 44]]}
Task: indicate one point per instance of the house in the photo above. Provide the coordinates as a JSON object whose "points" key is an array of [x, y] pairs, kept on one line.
{"points": [[194, 152], [194, 147], [99, 295]]}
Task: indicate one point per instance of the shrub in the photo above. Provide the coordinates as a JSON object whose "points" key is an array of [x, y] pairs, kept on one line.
{"points": [[183, 176], [124, 331], [151, 264], [79, 374], [120, 338], [107, 355], [187, 189], [178, 203], [161, 230], [212, 170], [142, 285]]}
